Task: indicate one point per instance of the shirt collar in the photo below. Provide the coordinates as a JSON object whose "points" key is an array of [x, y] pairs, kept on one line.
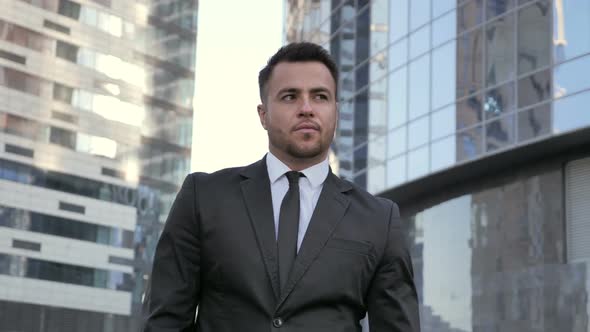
{"points": [[316, 174]]}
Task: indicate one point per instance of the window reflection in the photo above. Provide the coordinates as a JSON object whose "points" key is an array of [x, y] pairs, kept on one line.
{"points": [[442, 6], [443, 153], [73, 229], [469, 111], [469, 63], [419, 13], [396, 142], [500, 53], [498, 7], [534, 29], [418, 162], [499, 100], [534, 122], [419, 42], [570, 29], [443, 122], [567, 77], [418, 132], [419, 72], [398, 19], [534, 88], [506, 244], [396, 171], [397, 98], [469, 143], [500, 133], [443, 74], [571, 112], [469, 15], [398, 54], [444, 28]]}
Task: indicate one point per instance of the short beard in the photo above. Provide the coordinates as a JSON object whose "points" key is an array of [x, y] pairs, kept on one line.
{"points": [[298, 153]]}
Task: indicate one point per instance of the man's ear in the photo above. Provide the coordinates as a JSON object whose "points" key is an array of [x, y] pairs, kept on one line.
{"points": [[262, 114]]}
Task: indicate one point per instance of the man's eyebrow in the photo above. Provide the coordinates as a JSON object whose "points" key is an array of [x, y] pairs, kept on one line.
{"points": [[288, 90], [320, 89]]}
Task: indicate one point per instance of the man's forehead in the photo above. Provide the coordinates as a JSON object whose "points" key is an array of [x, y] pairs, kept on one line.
{"points": [[301, 75]]}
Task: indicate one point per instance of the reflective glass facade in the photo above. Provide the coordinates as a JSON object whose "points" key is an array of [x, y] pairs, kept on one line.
{"points": [[438, 97], [95, 139], [427, 84]]}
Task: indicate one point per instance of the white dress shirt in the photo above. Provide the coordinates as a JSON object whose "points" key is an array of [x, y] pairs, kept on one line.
{"points": [[310, 188]]}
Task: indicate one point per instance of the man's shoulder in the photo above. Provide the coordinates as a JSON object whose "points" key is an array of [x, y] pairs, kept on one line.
{"points": [[365, 198], [219, 175]]}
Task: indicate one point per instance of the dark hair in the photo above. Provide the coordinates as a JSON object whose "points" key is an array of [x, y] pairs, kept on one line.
{"points": [[297, 52]]}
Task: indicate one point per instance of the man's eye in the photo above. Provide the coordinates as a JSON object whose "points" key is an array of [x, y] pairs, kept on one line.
{"points": [[288, 97], [321, 97]]}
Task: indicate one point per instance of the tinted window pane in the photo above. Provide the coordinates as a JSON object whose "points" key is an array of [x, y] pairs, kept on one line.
{"points": [[469, 143], [534, 122], [398, 54], [469, 63], [20, 81], [398, 19], [500, 132], [396, 171], [534, 36], [534, 88], [443, 75], [568, 79], [442, 6], [396, 142], [24, 37], [571, 24], [397, 98], [499, 100], [498, 7], [62, 93], [469, 112], [62, 137], [66, 51], [500, 53], [571, 112], [419, 87], [444, 28], [69, 9], [419, 42], [419, 13], [469, 15], [443, 153], [418, 132], [443, 122], [418, 162]]}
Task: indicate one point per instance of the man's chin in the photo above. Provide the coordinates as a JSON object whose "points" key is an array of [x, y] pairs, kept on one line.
{"points": [[306, 152]]}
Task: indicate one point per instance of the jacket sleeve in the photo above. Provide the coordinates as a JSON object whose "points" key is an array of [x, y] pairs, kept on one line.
{"points": [[173, 290], [392, 298]]}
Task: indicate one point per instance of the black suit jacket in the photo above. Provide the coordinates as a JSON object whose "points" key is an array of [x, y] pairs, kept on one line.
{"points": [[218, 251]]}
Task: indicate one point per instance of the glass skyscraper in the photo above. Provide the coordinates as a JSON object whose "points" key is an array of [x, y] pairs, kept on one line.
{"points": [[472, 115], [95, 139]]}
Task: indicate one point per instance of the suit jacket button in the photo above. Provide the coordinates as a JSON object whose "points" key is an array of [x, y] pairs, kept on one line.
{"points": [[277, 322]]}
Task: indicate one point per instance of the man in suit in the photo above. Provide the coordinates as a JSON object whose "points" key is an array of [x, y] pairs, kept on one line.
{"points": [[283, 244]]}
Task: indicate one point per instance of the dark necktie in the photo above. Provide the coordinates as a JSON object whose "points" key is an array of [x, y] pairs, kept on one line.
{"points": [[288, 227]]}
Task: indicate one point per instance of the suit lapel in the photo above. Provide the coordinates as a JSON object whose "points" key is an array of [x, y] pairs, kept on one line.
{"points": [[257, 196], [330, 209]]}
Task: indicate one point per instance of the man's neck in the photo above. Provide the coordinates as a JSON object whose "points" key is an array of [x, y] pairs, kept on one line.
{"points": [[298, 164]]}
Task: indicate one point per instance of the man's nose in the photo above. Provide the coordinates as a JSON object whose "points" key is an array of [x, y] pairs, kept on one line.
{"points": [[306, 108]]}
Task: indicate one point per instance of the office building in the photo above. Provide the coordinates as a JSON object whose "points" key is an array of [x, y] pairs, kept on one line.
{"points": [[473, 116], [95, 139]]}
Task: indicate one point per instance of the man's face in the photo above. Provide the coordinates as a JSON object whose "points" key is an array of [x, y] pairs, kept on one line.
{"points": [[299, 113]]}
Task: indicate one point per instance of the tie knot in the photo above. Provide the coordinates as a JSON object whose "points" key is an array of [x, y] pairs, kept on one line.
{"points": [[293, 177]]}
